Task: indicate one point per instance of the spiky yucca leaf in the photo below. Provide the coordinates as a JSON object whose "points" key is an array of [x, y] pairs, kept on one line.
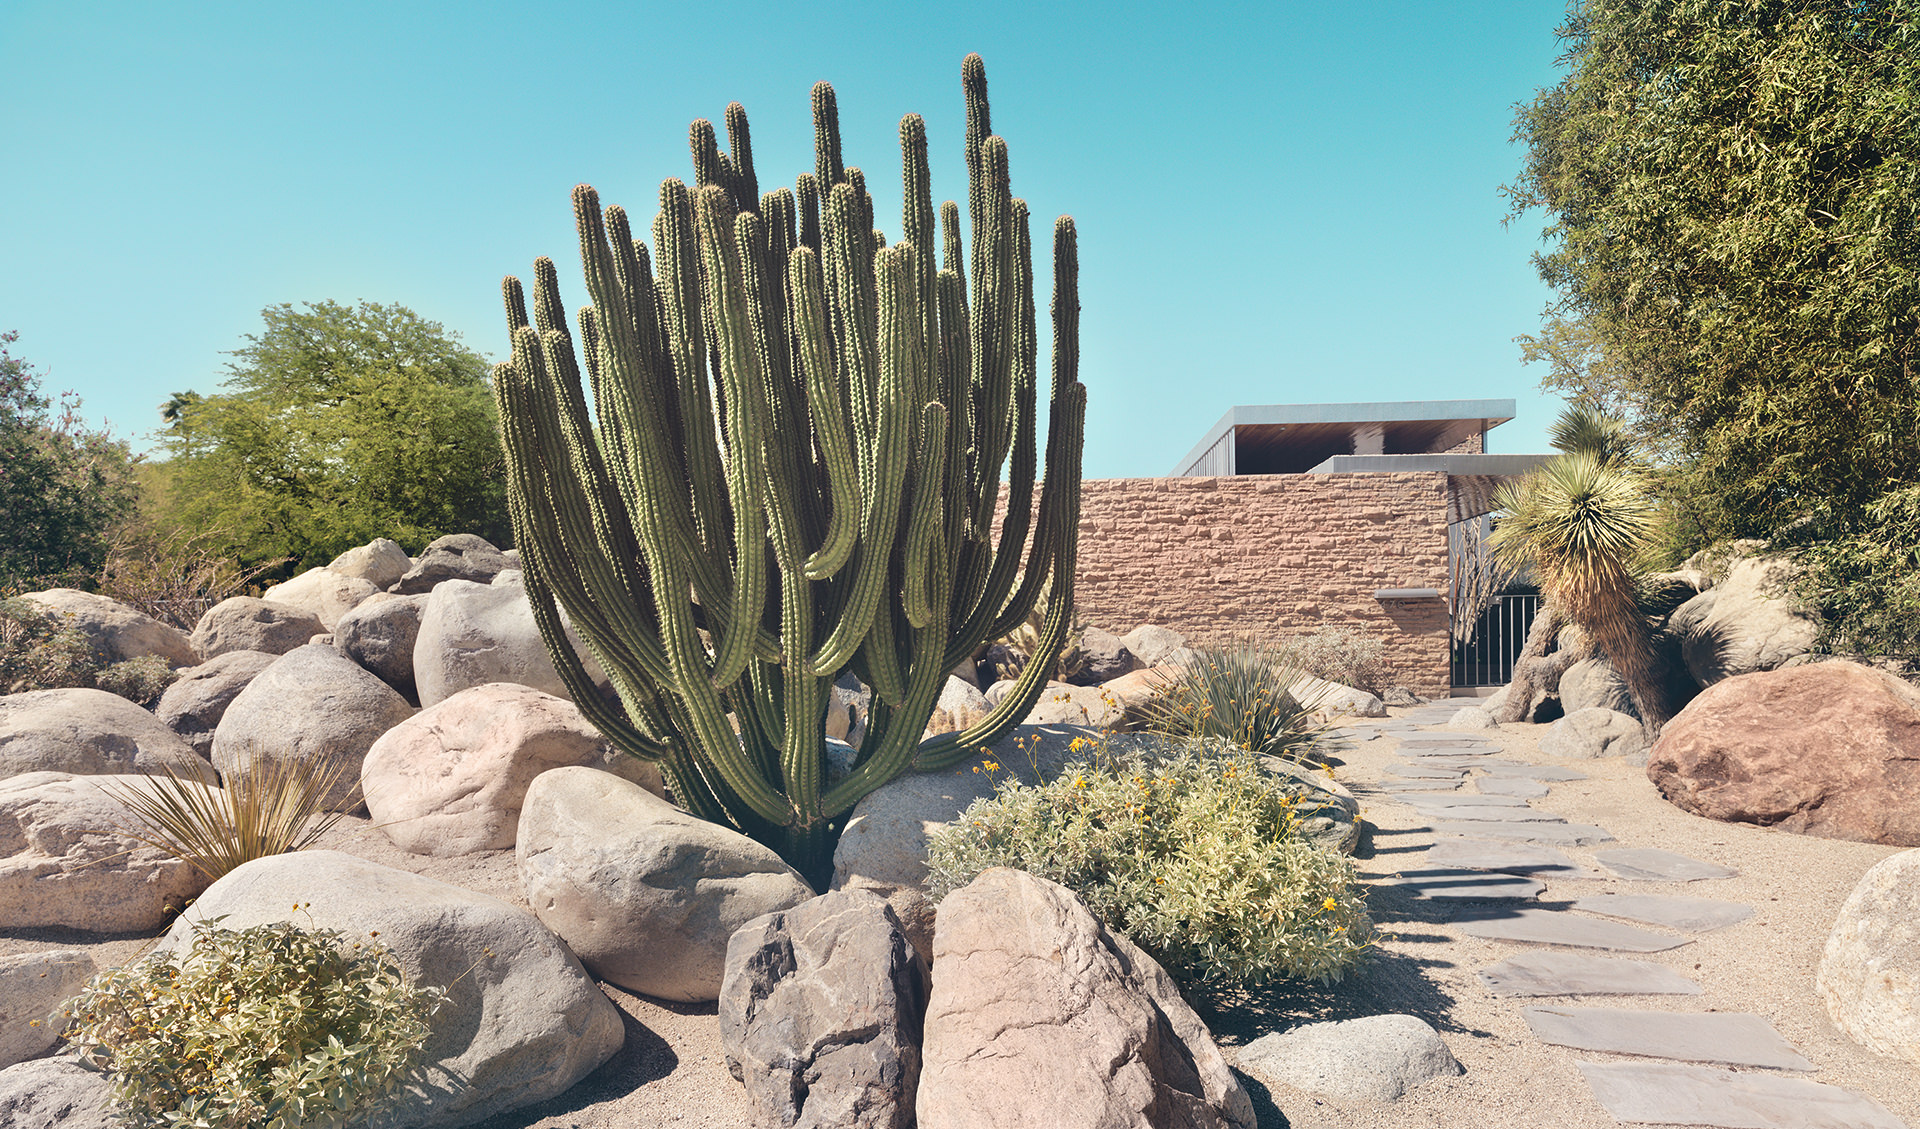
{"points": [[267, 807], [1584, 429], [1240, 693]]}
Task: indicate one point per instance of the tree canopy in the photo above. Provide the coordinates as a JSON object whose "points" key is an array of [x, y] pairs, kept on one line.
{"points": [[63, 485], [340, 424], [1732, 193]]}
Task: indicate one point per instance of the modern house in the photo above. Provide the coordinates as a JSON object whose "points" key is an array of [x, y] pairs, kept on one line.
{"points": [[1286, 519]]}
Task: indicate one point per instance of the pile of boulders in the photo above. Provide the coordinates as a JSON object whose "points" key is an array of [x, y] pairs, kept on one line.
{"points": [[425, 684]]}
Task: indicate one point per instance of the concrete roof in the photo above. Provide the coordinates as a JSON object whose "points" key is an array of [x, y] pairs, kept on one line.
{"points": [[1270, 438]]}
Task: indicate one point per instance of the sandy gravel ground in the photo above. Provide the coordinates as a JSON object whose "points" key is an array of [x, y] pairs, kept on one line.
{"points": [[672, 1070]]}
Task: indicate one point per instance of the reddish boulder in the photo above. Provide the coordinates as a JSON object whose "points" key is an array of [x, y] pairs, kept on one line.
{"points": [[1829, 749]]}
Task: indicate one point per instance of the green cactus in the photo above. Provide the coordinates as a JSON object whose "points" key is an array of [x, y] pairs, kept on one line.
{"points": [[790, 467]]}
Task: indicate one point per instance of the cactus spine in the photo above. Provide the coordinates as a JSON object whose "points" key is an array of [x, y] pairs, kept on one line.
{"points": [[784, 462]]}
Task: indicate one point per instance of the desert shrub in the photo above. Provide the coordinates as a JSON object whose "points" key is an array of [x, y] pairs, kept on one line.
{"points": [[1193, 851], [140, 680], [1238, 693], [274, 1026], [1866, 581], [175, 574], [1343, 655], [42, 651], [265, 807]]}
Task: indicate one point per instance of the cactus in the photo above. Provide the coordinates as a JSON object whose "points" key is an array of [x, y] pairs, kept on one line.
{"points": [[785, 462]]}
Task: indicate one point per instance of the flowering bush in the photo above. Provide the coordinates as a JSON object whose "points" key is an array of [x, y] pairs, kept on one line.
{"points": [[1192, 851], [274, 1026]]}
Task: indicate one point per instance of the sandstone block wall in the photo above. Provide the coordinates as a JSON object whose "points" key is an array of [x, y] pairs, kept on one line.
{"points": [[1272, 556]]}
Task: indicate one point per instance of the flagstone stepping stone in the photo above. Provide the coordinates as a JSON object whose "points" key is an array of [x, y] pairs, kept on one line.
{"points": [[1502, 786], [1733, 1038], [1456, 752], [1670, 1094], [1514, 858], [1429, 739], [1557, 927], [1569, 834], [1426, 771], [1546, 772], [1552, 973], [1469, 885], [1651, 864], [1415, 785], [1695, 915], [1462, 800], [1482, 814]]}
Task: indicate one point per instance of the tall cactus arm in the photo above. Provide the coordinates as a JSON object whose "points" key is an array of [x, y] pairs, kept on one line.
{"points": [[806, 190], [917, 226], [827, 168], [831, 428], [675, 239], [746, 186], [925, 527]]}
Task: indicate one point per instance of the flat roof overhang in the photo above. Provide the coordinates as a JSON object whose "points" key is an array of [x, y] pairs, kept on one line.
{"points": [[1293, 438]]}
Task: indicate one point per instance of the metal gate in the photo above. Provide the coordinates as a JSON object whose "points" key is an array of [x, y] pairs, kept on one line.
{"points": [[1486, 657]]}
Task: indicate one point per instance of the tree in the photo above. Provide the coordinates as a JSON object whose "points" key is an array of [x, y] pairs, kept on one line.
{"points": [[1582, 522], [63, 486], [1733, 201], [342, 424]]}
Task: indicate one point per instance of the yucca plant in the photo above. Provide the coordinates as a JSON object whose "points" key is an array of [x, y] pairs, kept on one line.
{"points": [[787, 463], [265, 807], [1240, 693], [1582, 522]]}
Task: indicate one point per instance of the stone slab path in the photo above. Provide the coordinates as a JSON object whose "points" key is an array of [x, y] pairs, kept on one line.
{"points": [[1494, 859]]}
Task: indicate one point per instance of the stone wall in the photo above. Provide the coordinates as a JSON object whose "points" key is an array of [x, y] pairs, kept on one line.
{"points": [[1272, 556]]}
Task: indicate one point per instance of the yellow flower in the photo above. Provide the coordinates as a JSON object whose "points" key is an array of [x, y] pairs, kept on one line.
{"points": [[1331, 905], [1079, 782]]}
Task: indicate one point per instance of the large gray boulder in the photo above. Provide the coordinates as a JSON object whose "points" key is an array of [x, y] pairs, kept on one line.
{"points": [[450, 779], [645, 893], [457, 556], [961, 705], [64, 861], [380, 562], [1375, 1058], [116, 630], [1106, 657], [380, 635], [1154, 645], [1042, 1016], [55, 1093], [1087, 706], [1594, 684], [315, 707], [1596, 732], [1335, 699], [249, 623], [195, 702], [472, 634], [322, 592], [1870, 975], [89, 732], [522, 1022], [1748, 622], [820, 1014], [32, 988]]}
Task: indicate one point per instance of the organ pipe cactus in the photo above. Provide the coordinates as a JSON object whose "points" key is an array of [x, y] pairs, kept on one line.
{"points": [[785, 462]]}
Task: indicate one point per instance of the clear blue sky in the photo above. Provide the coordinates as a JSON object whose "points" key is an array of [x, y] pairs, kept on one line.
{"points": [[1280, 202]]}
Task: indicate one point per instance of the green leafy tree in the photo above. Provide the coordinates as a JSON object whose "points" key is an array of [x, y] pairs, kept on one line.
{"points": [[340, 424], [63, 485], [1732, 193]]}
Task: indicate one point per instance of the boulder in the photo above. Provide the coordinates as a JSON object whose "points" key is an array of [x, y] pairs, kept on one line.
{"points": [[847, 705], [89, 732], [1747, 622], [116, 630], [1334, 699], [1324, 810], [1400, 696], [195, 702], [472, 634], [961, 705], [1596, 732], [32, 988], [450, 779], [1824, 749], [645, 893], [64, 863], [1104, 657], [325, 594], [1545, 707], [1594, 684], [967, 672], [1005, 660], [249, 623], [1472, 717], [820, 1014], [1041, 1016], [522, 1022], [1087, 706], [1870, 975], [997, 692], [1154, 645], [55, 1093], [1375, 1058], [508, 576], [1137, 693], [380, 635], [381, 562], [457, 556], [313, 706]]}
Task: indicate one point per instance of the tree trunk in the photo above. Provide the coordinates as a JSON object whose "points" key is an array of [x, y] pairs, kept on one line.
{"points": [[1526, 673]]}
